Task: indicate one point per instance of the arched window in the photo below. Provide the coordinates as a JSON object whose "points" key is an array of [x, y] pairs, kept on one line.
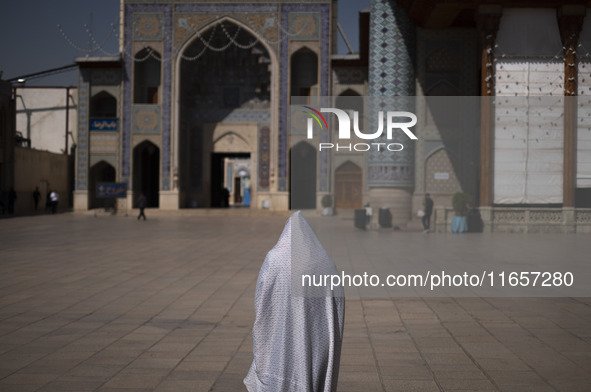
{"points": [[304, 72], [351, 101], [103, 105], [146, 76]]}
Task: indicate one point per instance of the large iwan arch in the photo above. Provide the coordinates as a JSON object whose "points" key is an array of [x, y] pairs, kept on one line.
{"points": [[215, 89]]}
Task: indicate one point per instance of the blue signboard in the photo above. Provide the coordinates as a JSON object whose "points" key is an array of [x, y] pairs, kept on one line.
{"points": [[111, 189], [104, 124]]}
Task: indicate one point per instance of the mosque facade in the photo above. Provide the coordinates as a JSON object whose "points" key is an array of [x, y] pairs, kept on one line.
{"points": [[195, 110]]}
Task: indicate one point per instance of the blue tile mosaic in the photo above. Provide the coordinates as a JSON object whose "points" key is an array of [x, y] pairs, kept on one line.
{"points": [[166, 11], [82, 148], [131, 10], [391, 74]]}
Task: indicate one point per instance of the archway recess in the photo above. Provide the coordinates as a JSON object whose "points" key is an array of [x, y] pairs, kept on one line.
{"points": [[146, 172], [224, 79], [302, 174], [99, 173]]}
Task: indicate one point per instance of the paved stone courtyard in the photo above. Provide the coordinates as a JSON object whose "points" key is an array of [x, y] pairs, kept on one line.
{"points": [[110, 304]]}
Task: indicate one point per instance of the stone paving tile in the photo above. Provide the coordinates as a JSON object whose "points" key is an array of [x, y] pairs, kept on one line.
{"points": [[452, 384], [71, 385], [137, 378], [24, 387], [109, 389], [418, 372], [184, 385], [356, 386], [475, 374], [520, 388], [110, 304], [411, 386]]}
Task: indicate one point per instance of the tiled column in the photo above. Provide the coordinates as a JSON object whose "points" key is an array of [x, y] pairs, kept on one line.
{"points": [[390, 176], [81, 185]]}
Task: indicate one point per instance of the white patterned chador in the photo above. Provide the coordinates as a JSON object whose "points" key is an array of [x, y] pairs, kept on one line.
{"points": [[297, 335]]}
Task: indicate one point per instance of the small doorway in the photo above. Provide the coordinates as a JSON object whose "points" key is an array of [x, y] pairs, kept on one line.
{"points": [[348, 186], [302, 173], [218, 184], [100, 172], [146, 172], [242, 188], [237, 191]]}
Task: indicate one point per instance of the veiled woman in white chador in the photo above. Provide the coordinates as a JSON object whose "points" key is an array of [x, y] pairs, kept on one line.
{"points": [[298, 332]]}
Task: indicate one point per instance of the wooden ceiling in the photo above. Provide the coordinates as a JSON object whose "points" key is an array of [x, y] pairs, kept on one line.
{"points": [[437, 14]]}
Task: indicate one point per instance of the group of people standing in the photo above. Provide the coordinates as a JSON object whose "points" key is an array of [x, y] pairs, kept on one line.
{"points": [[8, 200]]}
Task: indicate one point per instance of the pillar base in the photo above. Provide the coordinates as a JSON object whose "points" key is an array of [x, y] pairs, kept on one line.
{"points": [[80, 201], [397, 200], [486, 214], [168, 200]]}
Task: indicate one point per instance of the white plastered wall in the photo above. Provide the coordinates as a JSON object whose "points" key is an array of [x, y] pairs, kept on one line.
{"points": [[41, 117], [529, 109]]}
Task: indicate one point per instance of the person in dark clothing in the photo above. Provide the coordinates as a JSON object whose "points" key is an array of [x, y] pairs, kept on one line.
{"points": [[225, 198], [142, 203], [11, 200], [36, 197], [428, 211], [2, 203], [48, 201]]}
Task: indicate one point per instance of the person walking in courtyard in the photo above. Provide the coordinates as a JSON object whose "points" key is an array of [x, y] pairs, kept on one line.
{"points": [[428, 211], [36, 197], [141, 204], [225, 198], [55, 198]]}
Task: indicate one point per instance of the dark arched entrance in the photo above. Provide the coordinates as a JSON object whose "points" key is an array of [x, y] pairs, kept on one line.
{"points": [[100, 172], [146, 172], [224, 76], [304, 73], [302, 193], [103, 105]]}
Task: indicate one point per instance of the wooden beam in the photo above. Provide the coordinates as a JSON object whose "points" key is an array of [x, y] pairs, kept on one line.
{"points": [[570, 23], [488, 24]]}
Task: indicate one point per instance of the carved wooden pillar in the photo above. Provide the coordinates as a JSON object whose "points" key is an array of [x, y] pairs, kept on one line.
{"points": [[488, 25], [570, 22]]}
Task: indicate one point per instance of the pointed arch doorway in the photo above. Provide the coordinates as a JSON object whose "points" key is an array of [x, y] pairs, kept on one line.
{"points": [[218, 89], [146, 172], [348, 186], [100, 172], [302, 173]]}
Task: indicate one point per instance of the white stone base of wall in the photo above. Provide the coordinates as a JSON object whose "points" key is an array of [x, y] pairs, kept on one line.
{"points": [[80, 201], [168, 200]]}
